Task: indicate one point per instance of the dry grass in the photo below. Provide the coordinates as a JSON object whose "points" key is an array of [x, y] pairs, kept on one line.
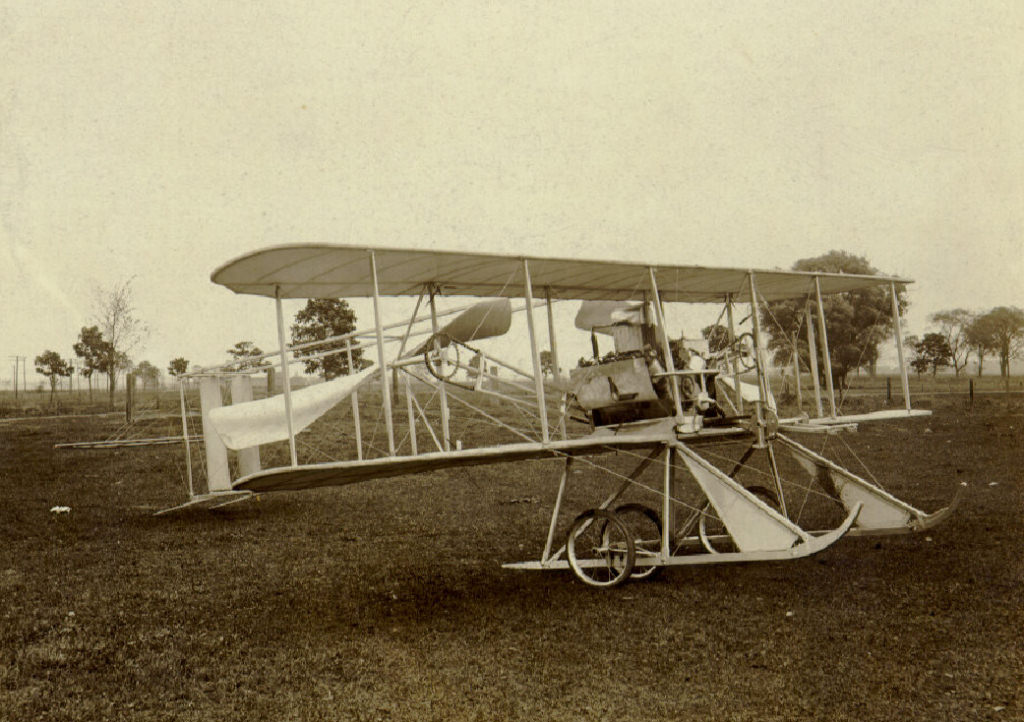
{"points": [[386, 601]]}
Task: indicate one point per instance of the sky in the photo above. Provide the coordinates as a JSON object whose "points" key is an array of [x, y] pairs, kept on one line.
{"points": [[155, 141]]}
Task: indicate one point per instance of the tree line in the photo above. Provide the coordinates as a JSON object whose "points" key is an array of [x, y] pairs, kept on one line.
{"points": [[859, 321], [961, 334], [105, 347]]}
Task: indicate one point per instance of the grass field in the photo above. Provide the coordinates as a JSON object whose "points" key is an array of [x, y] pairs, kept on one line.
{"points": [[386, 601]]}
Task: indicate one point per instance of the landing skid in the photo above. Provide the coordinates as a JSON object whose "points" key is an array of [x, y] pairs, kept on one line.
{"points": [[754, 526], [215, 500], [812, 545]]}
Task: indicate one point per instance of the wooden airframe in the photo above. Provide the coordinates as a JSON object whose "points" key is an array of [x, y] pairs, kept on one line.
{"points": [[605, 545]]}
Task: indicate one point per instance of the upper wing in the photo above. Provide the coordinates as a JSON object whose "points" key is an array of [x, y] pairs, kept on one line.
{"points": [[341, 271]]}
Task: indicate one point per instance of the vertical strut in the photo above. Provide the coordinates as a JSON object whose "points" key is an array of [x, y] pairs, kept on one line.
{"points": [[666, 346], [812, 352], [566, 470], [385, 386], [556, 372], [735, 360], [824, 348], [899, 345], [285, 381], [442, 391], [355, 402], [758, 362], [538, 377], [184, 435]]}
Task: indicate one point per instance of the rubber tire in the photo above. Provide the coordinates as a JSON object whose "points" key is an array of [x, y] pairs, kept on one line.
{"points": [[623, 512], [607, 520]]}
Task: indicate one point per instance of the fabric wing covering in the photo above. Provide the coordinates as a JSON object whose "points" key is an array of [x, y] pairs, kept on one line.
{"points": [[486, 319], [262, 422], [321, 270], [599, 315]]}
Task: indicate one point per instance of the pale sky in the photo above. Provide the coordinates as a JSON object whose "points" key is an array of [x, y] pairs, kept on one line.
{"points": [[158, 140]]}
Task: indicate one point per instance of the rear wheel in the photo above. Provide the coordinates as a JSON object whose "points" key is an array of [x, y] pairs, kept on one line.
{"points": [[644, 526], [713, 534], [600, 549]]}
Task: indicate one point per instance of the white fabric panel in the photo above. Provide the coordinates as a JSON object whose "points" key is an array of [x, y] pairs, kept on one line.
{"points": [[321, 270], [752, 524], [241, 393], [879, 511], [218, 474], [262, 422], [750, 392]]}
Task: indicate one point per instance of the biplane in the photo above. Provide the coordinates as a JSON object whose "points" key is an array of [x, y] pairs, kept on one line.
{"points": [[653, 415]]}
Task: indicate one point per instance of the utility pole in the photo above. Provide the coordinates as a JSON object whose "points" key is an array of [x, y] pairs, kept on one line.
{"points": [[17, 360]]}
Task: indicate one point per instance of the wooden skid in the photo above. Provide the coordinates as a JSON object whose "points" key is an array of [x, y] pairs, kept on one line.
{"points": [[812, 545], [920, 524], [209, 501], [120, 443], [883, 513]]}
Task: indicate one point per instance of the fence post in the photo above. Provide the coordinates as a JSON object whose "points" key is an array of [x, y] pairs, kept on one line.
{"points": [[970, 391], [888, 391]]}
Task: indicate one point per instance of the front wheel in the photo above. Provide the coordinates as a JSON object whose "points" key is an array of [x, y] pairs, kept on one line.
{"points": [[600, 549]]}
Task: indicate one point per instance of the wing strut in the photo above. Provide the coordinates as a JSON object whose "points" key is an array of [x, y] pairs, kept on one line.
{"points": [[538, 377], [824, 348], [899, 344], [286, 383], [385, 387]]}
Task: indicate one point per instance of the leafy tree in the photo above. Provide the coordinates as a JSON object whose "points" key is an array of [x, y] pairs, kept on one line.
{"points": [[717, 337], [178, 366], [92, 349], [148, 373], [320, 319], [1003, 331], [953, 325], [115, 314], [932, 352], [917, 363], [857, 321], [980, 339], [51, 365], [246, 355]]}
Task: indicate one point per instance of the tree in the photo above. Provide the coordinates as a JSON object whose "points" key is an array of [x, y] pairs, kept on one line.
{"points": [[1003, 329], [148, 373], [178, 367], [717, 337], [918, 363], [857, 321], [980, 339], [547, 365], [92, 349], [246, 355], [953, 325], [115, 315], [932, 352], [51, 365], [320, 319]]}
